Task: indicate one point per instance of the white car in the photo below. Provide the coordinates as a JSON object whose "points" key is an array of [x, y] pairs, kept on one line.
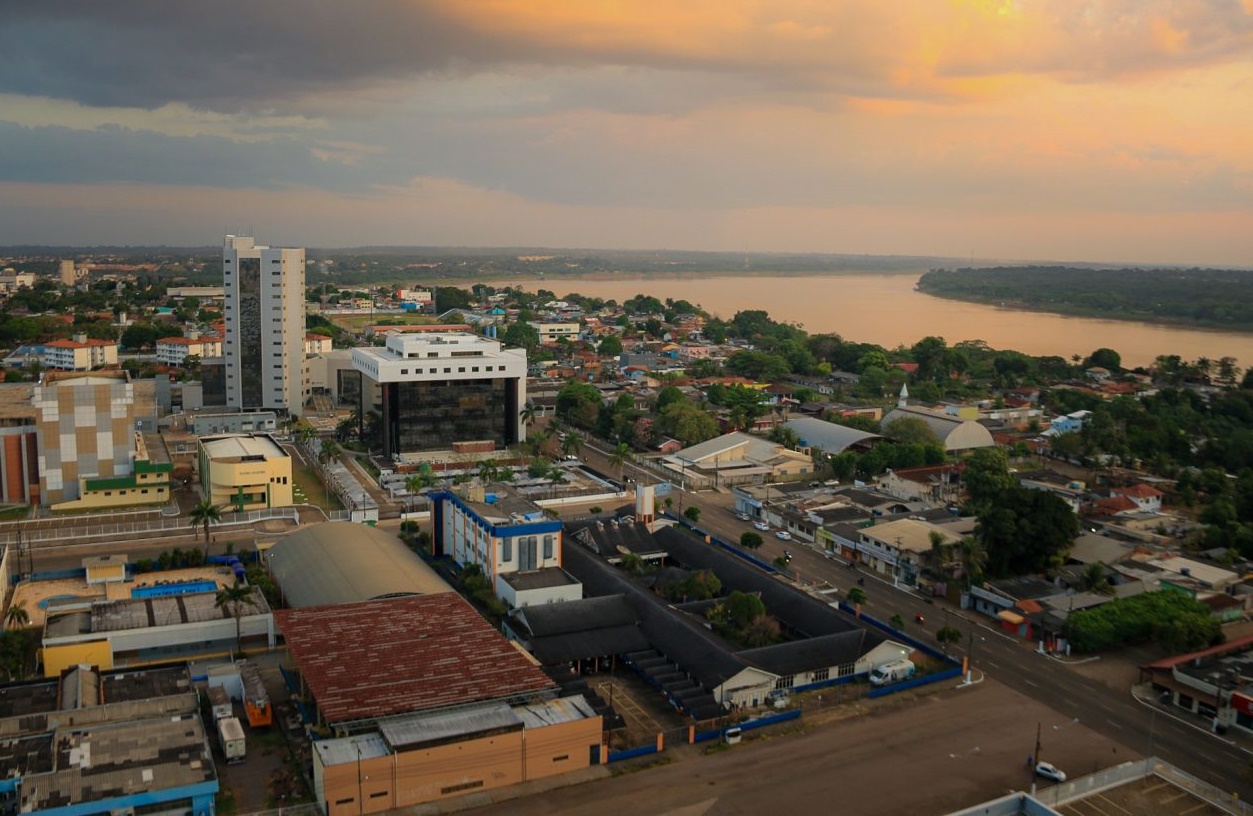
{"points": [[742, 516], [761, 525], [1050, 771], [783, 535]]}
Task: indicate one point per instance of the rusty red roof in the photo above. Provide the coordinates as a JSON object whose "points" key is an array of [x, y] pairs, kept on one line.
{"points": [[1137, 491], [403, 655]]}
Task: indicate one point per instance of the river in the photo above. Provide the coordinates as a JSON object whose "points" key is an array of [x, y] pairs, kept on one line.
{"points": [[884, 308]]}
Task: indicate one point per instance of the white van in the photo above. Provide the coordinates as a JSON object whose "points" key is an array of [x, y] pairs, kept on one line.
{"points": [[893, 672]]}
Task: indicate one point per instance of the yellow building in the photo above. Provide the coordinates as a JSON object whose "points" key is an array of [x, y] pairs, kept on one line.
{"points": [[244, 471], [147, 484]]}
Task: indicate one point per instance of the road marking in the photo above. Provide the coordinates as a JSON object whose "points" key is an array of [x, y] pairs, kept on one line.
{"points": [[1029, 683], [1116, 725], [990, 663]]}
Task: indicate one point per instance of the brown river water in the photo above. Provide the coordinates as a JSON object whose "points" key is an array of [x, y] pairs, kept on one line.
{"points": [[886, 309]]}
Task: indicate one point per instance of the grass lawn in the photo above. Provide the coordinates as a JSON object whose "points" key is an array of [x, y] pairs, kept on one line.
{"points": [[309, 489], [356, 323]]}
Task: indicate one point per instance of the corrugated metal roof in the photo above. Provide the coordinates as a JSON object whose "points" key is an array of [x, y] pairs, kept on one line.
{"points": [[404, 655], [342, 562], [410, 732]]}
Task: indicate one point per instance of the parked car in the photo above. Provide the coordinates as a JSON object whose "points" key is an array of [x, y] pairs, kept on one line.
{"points": [[783, 535], [1050, 771], [761, 525], [742, 516]]}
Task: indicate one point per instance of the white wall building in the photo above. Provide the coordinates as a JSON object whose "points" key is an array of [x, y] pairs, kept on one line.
{"points": [[265, 326], [174, 351]]}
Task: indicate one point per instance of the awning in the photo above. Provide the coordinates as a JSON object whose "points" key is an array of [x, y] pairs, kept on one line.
{"points": [[1010, 617]]}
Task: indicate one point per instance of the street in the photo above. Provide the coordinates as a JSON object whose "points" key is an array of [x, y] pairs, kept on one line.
{"points": [[1174, 735]]}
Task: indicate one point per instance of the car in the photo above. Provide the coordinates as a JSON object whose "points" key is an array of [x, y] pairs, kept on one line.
{"points": [[1050, 771], [783, 535], [761, 525], [742, 516]]}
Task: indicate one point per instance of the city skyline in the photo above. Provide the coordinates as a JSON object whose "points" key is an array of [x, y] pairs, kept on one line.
{"points": [[1119, 131]]}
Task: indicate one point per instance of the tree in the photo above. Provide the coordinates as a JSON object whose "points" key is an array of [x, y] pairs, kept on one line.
{"points": [[572, 444], [521, 335], [16, 616], [910, 431], [686, 422], [897, 622], [1026, 531], [527, 414], [328, 451], [974, 560], [1094, 579], [947, 635], [987, 475], [692, 514], [202, 515], [236, 597], [937, 554], [610, 346], [750, 540], [619, 458], [1104, 358], [856, 596]]}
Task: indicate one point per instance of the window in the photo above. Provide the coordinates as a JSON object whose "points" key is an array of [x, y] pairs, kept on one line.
{"points": [[464, 786], [820, 675], [461, 370], [506, 550], [548, 547], [561, 758], [785, 682], [404, 371]]}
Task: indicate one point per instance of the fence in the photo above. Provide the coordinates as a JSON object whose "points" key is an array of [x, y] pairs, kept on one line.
{"points": [[69, 530], [311, 809], [748, 725]]}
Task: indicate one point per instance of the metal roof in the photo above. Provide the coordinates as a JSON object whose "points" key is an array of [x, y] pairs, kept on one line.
{"points": [[404, 655], [342, 562]]}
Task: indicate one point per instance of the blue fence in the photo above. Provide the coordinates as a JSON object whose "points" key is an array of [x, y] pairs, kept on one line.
{"points": [[748, 725], [883, 691], [632, 753]]}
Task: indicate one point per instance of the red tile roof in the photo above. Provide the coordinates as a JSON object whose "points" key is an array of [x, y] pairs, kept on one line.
{"points": [[1137, 491], [402, 655]]}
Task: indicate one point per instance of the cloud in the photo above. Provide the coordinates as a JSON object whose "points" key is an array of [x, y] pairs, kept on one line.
{"points": [[295, 55]]}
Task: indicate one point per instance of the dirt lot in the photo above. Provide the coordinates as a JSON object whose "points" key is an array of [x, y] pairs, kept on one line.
{"points": [[932, 755]]}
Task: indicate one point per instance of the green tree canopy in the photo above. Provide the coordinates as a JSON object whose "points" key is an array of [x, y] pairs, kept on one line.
{"points": [[1025, 531]]}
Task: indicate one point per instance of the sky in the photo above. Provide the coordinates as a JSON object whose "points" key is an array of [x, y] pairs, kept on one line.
{"points": [[1105, 130]]}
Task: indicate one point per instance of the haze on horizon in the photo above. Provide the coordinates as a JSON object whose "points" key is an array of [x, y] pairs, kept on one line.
{"points": [[1102, 130]]}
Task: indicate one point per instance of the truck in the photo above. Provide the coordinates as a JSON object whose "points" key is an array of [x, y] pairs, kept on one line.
{"points": [[231, 740], [220, 703], [893, 672]]}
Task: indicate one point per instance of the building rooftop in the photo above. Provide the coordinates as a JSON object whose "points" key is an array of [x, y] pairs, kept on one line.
{"points": [[909, 534], [120, 759], [404, 655], [538, 579], [130, 614], [341, 562], [243, 447]]}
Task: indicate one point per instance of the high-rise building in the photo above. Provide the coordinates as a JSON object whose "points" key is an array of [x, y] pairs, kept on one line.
{"points": [[265, 326], [439, 389]]}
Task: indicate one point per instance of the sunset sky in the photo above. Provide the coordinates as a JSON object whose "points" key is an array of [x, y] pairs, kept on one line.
{"points": [[1040, 129]]}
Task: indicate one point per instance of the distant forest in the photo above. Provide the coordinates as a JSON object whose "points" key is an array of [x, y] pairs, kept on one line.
{"points": [[1215, 298]]}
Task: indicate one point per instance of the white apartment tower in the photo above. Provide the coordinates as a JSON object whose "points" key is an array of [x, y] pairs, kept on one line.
{"points": [[265, 326]]}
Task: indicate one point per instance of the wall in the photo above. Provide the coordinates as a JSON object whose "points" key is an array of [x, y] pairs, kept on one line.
{"points": [[428, 775], [96, 653]]}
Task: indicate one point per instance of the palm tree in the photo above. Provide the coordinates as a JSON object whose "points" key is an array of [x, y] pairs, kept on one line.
{"points": [[236, 597], [974, 557], [305, 432], [528, 412], [16, 616], [328, 450], [856, 596], [1094, 579], [203, 514], [572, 444], [489, 470], [620, 456], [937, 551]]}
